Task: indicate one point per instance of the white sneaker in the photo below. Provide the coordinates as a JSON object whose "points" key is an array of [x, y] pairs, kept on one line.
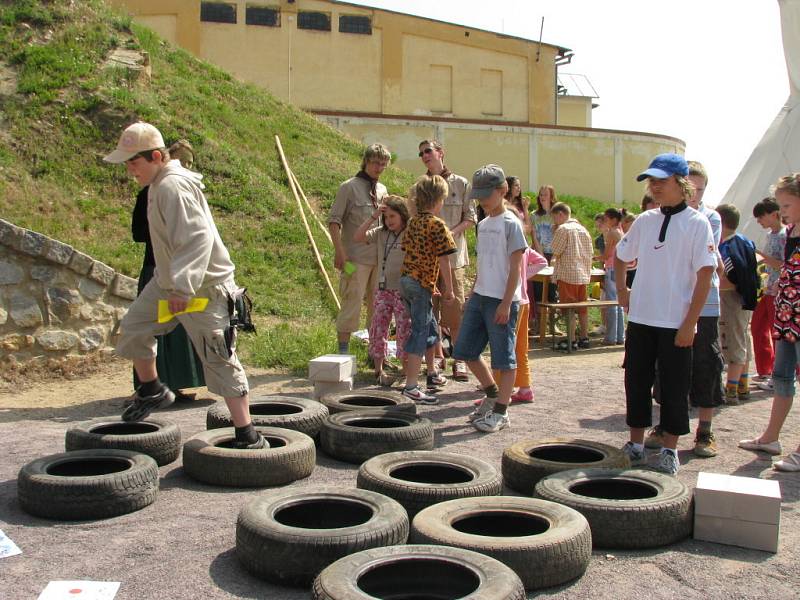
{"points": [[486, 406], [420, 397], [766, 385], [492, 422]]}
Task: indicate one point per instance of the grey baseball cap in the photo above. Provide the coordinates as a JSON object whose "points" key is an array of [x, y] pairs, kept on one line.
{"points": [[485, 180]]}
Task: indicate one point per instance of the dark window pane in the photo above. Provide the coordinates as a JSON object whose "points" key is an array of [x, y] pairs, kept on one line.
{"points": [[314, 20], [217, 12], [354, 24], [261, 15]]}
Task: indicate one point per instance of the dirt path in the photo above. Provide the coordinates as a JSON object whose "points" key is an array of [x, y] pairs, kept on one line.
{"points": [[183, 545]]}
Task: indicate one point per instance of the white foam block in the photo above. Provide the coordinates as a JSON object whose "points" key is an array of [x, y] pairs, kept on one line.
{"points": [[7, 546], [332, 367], [738, 498], [735, 532], [332, 387], [80, 590]]}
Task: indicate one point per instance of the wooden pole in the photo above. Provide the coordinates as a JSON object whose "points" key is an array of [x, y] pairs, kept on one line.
{"points": [[311, 208], [305, 222]]}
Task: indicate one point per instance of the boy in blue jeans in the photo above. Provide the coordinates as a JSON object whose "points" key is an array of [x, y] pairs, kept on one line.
{"points": [[490, 316], [427, 245]]}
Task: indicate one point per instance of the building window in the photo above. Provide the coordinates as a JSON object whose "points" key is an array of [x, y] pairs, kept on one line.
{"points": [[317, 21], [355, 24], [217, 12], [262, 15]]}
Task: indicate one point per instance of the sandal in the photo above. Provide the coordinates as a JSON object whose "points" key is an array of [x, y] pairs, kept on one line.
{"points": [[385, 379], [791, 463]]}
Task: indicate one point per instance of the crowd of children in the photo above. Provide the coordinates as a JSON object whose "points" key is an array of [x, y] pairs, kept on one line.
{"points": [[686, 283]]}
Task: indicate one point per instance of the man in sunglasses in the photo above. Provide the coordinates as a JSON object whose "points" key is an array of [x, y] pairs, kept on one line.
{"points": [[458, 213]]}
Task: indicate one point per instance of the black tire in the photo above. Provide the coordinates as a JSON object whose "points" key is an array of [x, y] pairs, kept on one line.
{"points": [[355, 436], [544, 543], [418, 479], [157, 438], [367, 400], [630, 508], [290, 536], [526, 462], [87, 484], [417, 571], [208, 457], [299, 414]]}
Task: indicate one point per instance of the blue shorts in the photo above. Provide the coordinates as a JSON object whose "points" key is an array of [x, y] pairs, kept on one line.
{"points": [[478, 328], [424, 329]]}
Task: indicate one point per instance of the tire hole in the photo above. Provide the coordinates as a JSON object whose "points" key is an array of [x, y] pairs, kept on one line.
{"points": [[274, 442], [324, 514], [502, 524], [124, 429], [566, 453], [86, 467], [419, 579], [614, 489], [367, 401], [376, 423], [274, 409], [432, 474]]}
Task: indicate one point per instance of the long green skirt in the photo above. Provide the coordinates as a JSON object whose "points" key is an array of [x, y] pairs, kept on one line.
{"points": [[177, 363]]}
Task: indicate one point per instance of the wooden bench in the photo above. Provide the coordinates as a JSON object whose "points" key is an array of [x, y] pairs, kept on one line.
{"points": [[548, 309]]}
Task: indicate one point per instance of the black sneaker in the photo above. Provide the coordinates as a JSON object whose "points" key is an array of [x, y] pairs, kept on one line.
{"points": [[259, 444], [142, 406], [583, 343]]}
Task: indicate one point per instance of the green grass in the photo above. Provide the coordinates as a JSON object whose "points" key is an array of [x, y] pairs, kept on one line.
{"points": [[69, 110]]}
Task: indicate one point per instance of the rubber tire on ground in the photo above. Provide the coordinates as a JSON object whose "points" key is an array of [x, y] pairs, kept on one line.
{"points": [[341, 439], [555, 556], [339, 401], [293, 554], [163, 444], [307, 420], [376, 475], [292, 456], [73, 498], [417, 571], [637, 523], [521, 471]]}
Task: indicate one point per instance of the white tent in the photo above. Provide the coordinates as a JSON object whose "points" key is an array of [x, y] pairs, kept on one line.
{"points": [[778, 152]]}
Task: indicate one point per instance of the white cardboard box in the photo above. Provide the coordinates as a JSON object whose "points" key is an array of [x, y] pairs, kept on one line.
{"points": [[332, 367], [331, 387], [741, 511]]}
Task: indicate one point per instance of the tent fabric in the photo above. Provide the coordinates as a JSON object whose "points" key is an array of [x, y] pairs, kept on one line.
{"points": [[778, 152]]}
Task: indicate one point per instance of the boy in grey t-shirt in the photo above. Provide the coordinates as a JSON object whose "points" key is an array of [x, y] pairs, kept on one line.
{"points": [[490, 315]]}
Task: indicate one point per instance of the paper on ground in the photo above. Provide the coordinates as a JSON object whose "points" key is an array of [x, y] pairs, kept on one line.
{"points": [[80, 590], [7, 547]]}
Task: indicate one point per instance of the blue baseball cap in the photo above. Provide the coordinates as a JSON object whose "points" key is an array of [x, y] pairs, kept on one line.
{"points": [[665, 165]]}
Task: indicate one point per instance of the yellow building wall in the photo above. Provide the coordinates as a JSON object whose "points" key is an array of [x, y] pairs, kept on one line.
{"points": [[574, 111], [484, 85], [402, 141], [577, 164], [466, 150], [635, 158]]}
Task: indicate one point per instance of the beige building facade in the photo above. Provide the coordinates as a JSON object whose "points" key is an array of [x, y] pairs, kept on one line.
{"points": [[379, 75]]}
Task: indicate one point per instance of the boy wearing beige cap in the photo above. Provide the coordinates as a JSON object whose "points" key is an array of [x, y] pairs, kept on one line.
{"points": [[191, 263]]}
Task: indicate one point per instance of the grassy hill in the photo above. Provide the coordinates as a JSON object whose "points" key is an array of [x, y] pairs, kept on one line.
{"points": [[62, 109], [68, 111]]}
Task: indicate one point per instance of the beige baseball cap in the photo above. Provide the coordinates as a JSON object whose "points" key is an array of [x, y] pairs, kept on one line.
{"points": [[136, 138]]}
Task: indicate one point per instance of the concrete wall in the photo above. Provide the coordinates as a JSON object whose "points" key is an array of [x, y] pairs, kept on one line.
{"points": [[600, 164], [54, 300]]}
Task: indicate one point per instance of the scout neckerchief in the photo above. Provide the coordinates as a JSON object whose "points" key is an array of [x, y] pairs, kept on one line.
{"points": [[668, 211], [373, 190]]}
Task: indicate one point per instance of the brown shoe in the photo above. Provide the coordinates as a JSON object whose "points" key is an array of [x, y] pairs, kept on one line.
{"points": [[705, 446], [460, 372]]}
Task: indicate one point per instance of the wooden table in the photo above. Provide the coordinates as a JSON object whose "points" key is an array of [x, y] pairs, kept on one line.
{"points": [[544, 277], [571, 308]]}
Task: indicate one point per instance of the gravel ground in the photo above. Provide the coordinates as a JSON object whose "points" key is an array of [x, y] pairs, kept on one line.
{"points": [[182, 546]]}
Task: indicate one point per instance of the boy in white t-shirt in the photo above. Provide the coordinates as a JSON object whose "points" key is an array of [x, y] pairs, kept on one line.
{"points": [[491, 314], [676, 258]]}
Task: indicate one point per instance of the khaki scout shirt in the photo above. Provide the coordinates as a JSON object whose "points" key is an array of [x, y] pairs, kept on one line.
{"points": [[351, 208], [458, 207]]}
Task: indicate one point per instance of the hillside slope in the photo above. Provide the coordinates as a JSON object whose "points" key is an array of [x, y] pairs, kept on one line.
{"points": [[61, 110]]}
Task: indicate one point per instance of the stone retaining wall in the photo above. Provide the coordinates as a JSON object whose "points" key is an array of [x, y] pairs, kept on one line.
{"points": [[54, 300]]}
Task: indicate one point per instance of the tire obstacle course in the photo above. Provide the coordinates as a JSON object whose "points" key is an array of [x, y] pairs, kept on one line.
{"points": [[466, 538]]}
